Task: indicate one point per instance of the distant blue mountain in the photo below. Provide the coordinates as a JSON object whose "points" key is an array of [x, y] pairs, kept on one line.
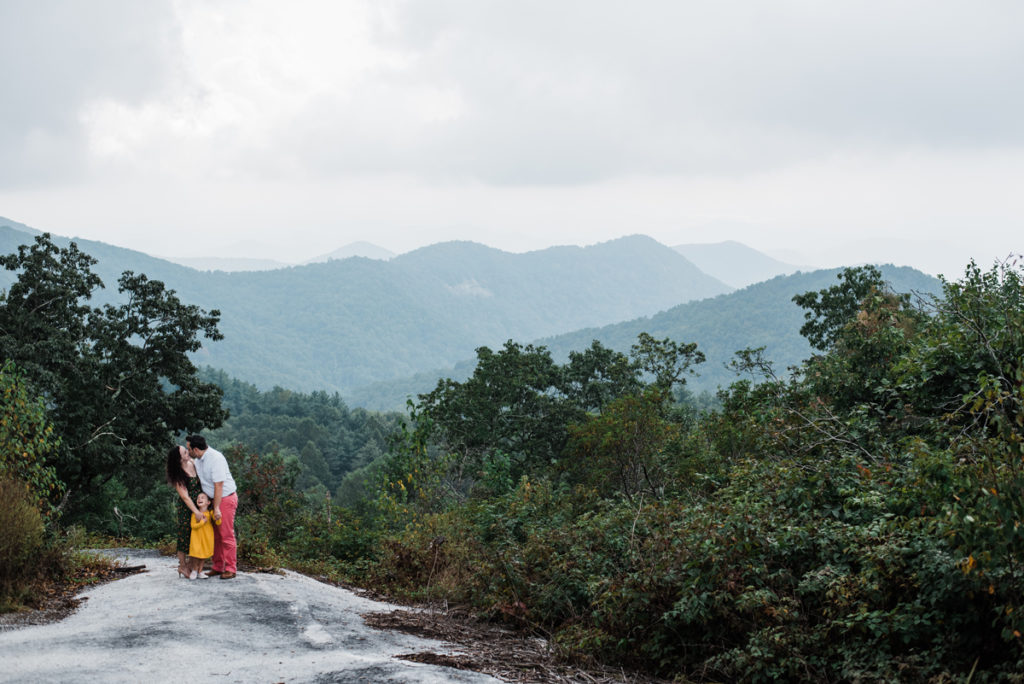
{"points": [[228, 264], [18, 226], [734, 263], [359, 249]]}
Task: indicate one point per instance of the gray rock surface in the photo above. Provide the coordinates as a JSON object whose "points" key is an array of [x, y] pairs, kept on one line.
{"points": [[155, 627]]}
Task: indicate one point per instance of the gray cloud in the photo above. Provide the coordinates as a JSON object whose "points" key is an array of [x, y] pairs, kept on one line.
{"points": [[547, 93], [686, 86], [572, 92], [58, 55]]}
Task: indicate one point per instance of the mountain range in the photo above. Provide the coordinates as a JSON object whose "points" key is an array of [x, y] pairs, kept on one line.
{"points": [[379, 330], [239, 263], [347, 323], [758, 315]]}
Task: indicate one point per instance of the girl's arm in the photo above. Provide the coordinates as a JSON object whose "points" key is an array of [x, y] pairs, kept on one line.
{"points": [[183, 493], [198, 522]]}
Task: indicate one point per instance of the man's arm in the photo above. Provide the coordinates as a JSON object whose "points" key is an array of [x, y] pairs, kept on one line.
{"points": [[218, 491]]}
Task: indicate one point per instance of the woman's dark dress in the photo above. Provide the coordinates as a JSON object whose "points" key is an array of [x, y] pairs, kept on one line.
{"points": [[185, 515]]}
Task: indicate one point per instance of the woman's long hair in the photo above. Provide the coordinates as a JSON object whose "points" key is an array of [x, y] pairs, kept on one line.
{"points": [[176, 475]]}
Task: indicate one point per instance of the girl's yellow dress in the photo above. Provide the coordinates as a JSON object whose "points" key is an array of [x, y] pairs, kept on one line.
{"points": [[200, 544]]}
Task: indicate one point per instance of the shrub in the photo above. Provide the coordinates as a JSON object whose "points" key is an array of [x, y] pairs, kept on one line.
{"points": [[21, 540], [26, 439], [622, 451]]}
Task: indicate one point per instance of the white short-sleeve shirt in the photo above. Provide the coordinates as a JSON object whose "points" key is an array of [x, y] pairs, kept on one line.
{"points": [[213, 467]]}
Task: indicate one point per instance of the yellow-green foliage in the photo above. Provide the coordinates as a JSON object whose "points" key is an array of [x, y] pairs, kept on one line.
{"points": [[26, 438], [28, 488]]}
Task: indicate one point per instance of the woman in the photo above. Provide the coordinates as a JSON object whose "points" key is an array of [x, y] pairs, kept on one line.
{"points": [[181, 474]]}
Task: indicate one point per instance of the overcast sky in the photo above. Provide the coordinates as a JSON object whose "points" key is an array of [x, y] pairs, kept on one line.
{"points": [[836, 131]]}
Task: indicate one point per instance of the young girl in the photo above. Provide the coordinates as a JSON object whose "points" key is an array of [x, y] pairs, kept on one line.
{"points": [[200, 545]]}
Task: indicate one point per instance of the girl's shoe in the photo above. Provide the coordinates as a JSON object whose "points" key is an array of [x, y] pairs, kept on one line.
{"points": [[192, 575], [182, 573]]}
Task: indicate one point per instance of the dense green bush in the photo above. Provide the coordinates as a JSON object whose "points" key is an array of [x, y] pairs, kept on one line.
{"points": [[21, 540], [27, 439], [30, 545]]}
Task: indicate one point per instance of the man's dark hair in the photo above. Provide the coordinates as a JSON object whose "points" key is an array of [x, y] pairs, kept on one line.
{"points": [[197, 442]]}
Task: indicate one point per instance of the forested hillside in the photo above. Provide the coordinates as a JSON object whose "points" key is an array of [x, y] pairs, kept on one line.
{"points": [[346, 323], [758, 315], [317, 432], [9, 223]]}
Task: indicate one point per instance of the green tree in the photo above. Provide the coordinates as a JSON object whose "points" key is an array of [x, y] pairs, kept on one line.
{"points": [[512, 403], [314, 467], [667, 362], [597, 376], [117, 382], [847, 395], [519, 403], [830, 310]]}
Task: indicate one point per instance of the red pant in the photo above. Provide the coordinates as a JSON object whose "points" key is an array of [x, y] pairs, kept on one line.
{"points": [[225, 548]]}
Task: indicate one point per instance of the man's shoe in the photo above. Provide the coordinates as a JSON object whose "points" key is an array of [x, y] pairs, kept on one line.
{"points": [[212, 573], [227, 575]]}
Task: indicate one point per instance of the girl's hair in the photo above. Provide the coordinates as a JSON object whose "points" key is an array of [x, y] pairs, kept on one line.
{"points": [[176, 475]]}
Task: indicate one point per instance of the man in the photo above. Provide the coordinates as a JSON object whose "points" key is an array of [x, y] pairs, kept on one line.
{"points": [[217, 483]]}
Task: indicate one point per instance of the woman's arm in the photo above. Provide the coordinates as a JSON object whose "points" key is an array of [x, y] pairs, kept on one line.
{"points": [[183, 493]]}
